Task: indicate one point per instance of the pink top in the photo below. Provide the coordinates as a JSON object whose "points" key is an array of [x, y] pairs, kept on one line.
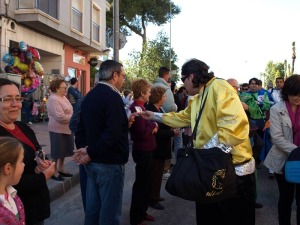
{"points": [[7, 217], [60, 111]]}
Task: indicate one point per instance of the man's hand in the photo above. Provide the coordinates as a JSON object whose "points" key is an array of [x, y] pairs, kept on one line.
{"points": [[245, 106], [80, 156], [41, 165]]}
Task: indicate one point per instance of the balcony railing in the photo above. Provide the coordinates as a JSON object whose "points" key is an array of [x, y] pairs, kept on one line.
{"points": [[49, 7]]}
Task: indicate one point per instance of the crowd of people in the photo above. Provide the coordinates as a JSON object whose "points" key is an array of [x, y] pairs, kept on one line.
{"points": [[256, 124]]}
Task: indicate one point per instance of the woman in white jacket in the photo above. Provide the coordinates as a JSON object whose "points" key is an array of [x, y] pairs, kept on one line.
{"points": [[285, 134]]}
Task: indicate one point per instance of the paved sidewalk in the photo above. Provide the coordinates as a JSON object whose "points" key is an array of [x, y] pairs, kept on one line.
{"points": [[56, 188]]}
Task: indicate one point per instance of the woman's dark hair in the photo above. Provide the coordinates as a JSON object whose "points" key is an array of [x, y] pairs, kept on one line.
{"points": [[199, 69], [4, 81], [291, 87], [157, 93]]}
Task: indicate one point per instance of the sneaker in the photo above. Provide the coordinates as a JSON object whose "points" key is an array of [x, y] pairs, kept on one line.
{"points": [[29, 123], [156, 205], [166, 176]]}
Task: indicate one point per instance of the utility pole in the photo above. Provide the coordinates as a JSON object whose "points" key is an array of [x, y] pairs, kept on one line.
{"points": [[116, 30]]}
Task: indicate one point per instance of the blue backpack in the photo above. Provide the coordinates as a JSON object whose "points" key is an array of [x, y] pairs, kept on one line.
{"points": [[292, 167]]}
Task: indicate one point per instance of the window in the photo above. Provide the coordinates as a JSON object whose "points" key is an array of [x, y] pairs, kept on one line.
{"points": [[72, 72], [48, 6], [77, 9], [96, 23]]}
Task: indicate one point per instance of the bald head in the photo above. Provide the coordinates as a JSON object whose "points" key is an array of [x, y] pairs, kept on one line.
{"points": [[233, 83]]}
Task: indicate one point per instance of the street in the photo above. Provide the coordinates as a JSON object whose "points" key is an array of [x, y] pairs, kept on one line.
{"points": [[68, 208]]}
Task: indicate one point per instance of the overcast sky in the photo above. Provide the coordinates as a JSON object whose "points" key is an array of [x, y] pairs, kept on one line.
{"points": [[236, 38]]}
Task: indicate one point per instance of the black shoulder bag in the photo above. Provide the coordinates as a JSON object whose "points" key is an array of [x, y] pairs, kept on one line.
{"points": [[202, 175]]}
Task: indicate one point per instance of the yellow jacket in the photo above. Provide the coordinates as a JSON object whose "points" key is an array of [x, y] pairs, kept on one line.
{"points": [[223, 115]]}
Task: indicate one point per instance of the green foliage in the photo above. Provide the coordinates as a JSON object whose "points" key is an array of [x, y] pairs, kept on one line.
{"points": [[272, 71], [135, 15], [156, 54]]}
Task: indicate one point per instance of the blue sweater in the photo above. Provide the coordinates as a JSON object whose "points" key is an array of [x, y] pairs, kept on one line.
{"points": [[103, 126]]}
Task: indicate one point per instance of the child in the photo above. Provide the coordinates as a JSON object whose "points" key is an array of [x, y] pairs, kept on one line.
{"points": [[11, 169]]}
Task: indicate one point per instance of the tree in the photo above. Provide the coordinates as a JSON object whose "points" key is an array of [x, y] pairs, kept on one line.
{"points": [[272, 71], [156, 54], [135, 15]]}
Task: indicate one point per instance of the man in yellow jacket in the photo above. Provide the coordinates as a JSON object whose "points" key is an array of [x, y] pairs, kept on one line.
{"points": [[223, 124]]}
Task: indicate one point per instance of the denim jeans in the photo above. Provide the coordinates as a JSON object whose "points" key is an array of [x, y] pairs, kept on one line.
{"points": [[177, 141], [104, 193]]}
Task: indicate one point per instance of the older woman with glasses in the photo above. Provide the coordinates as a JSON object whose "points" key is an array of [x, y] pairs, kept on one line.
{"points": [[32, 188], [60, 111]]}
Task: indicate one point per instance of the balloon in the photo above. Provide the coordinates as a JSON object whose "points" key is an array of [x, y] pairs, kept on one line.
{"points": [[28, 57], [8, 59], [35, 54], [9, 69], [23, 46], [31, 74], [14, 51], [38, 68], [21, 66], [24, 88], [35, 82], [22, 57], [27, 82]]}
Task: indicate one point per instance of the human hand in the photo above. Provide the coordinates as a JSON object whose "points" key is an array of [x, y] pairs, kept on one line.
{"points": [[49, 171], [155, 128], [80, 156], [41, 165], [131, 119], [147, 115], [245, 106]]}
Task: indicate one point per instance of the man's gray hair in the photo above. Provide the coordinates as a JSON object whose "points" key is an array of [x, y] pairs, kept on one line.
{"points": [[107, 68]]}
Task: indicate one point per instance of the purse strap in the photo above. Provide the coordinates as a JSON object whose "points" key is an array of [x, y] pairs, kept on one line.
{"points": [[202, 104]]}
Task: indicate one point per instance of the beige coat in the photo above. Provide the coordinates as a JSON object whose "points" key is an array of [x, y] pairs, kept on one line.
{"points": [[282, 137]]}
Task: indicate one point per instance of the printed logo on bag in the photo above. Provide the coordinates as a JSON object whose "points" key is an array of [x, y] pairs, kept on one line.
{"points": [[217, 183]]}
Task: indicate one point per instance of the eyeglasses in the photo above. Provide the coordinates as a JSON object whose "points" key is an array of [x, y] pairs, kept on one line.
{"points": [[245, 89], [184, 77], [11, 99], [254, 83], [123, 75]]}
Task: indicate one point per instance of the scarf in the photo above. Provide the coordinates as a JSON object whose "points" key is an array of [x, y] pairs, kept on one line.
{"points": [[295, 119]]}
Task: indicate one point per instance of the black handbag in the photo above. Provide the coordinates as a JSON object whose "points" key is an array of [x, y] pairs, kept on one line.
{"points": [[202, 175]]}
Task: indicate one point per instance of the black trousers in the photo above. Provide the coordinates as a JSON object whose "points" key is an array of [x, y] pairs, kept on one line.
{"points": [[141, 187], [239, 210], [286, 197]]}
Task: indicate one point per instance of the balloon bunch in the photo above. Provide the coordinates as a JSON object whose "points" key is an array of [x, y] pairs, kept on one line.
{"points": [[24, 60]]}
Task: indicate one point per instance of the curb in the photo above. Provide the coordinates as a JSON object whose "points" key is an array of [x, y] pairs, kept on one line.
{"points": [[58, 188]]}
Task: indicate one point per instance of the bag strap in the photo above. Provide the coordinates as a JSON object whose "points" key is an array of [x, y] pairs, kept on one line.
{"points": [[202, 104]]}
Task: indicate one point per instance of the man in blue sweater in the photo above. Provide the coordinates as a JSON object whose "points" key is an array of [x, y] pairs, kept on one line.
{"points": [[102, 143]]}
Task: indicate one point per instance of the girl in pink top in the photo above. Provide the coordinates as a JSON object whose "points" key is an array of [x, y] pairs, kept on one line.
{"points": [[11, 169]]}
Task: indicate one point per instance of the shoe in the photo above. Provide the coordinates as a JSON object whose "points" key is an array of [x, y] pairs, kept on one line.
{"points": [[166, 176], [65, 174], [160, 199], [29, 123], [57, 178], [156, 205], [258, 205], [271, 176], [149, 218]]}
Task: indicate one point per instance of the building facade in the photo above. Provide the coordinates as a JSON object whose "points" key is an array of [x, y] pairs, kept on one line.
{"points": [[66, 33]]}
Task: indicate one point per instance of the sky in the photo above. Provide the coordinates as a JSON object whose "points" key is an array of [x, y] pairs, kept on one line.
{"points": [[236, 38]]}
